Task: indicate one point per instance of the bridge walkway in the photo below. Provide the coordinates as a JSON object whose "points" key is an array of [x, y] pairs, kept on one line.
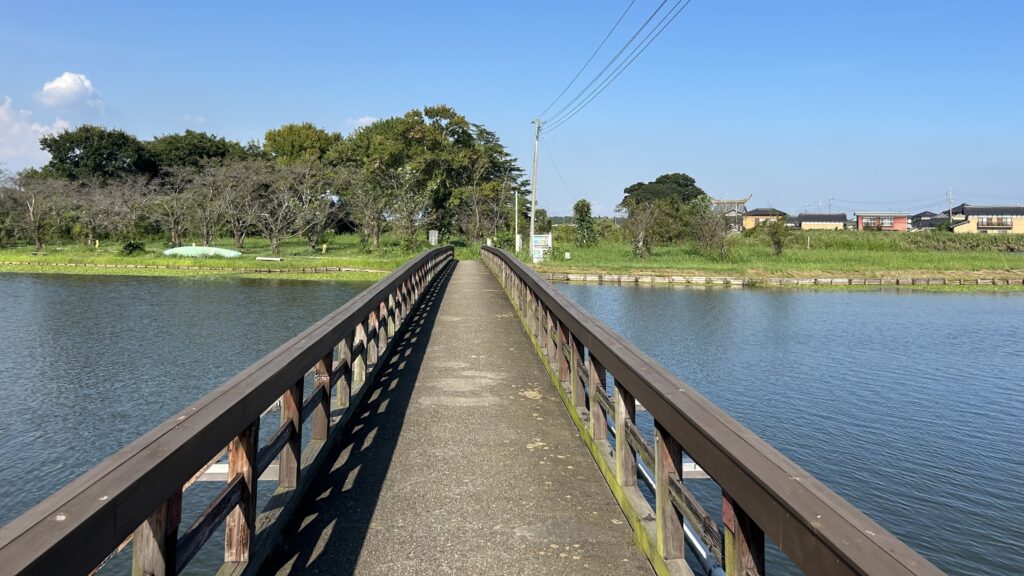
{"points": [[462, 461]]}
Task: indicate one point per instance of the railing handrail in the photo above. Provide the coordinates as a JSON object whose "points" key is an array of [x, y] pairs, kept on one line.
{"points": [[818, 529], [80, 524]]}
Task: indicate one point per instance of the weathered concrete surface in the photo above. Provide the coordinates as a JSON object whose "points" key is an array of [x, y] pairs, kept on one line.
{"points": [[464, 462]]}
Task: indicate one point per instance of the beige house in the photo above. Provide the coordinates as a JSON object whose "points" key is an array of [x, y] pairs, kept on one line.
{"points": [[810, 221], [969, 219], [760, 216]]}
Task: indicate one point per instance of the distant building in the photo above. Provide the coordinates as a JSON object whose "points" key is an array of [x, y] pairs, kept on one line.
{"points": [[888, 221], [812, 221], [927, 220], [967, 219], [729, 207], [731, 210], [760, 216]]}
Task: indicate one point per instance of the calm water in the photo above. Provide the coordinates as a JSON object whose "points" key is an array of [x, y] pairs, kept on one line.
{"points": [[89, 363], [910, 405]]}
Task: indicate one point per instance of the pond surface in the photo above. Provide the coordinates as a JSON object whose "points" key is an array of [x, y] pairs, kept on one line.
{"points": [[909, 405], [89, 363]]}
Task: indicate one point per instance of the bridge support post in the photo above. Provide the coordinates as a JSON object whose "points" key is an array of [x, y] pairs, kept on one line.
{"points": [[240, 525], [625, 458], [744, 541], [291, 456], [155, 542], [668, 467]]}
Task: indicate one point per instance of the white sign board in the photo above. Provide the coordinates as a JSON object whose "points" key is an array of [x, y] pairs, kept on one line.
{"points": [[539, 246], [432, 236]]}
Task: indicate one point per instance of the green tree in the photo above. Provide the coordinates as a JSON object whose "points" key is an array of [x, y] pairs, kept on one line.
{"points": [[294, 142], [542, 223], [584, 223], [777, 233], [191, 149], [676, 186], [96, 152]]}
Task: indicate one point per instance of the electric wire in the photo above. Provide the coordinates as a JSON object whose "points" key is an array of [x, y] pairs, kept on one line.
{"points": [[610, 62], [637, 51], [589, 60]]}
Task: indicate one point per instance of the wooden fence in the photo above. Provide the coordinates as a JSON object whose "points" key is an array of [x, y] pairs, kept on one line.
{"points": [[136, 493], [763, 492]]}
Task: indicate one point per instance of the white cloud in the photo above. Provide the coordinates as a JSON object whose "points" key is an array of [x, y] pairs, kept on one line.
{"points": [[70, 88], [19, 136], [361, 121]]}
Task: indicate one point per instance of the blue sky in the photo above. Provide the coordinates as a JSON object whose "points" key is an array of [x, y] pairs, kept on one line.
{"points": [[882, 105]]}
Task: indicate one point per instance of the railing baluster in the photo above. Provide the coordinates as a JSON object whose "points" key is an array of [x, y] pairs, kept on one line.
{"points": [[598, 419], [562, 363], [668, 466], [322, 414], [744, 541], [579, 396], [359, 360], [392, 316], [343, 392], [155, 541], [371, 342], [625, 458], [291, 456], [240, 525], [383, 328]]}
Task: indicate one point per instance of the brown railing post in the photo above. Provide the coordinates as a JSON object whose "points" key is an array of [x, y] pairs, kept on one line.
{"points": [[372, 325], [359, 361], [625, 458], [343, 392], [322, 413], [598, 419], [744, 541], [579, 397], [383, 329], [240, 525], [561, 338], [668, 467], [291, 457], [155, 541], [392, 315]]}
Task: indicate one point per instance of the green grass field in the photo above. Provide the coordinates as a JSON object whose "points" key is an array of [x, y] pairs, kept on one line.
{"points": [[846, 253], [342, 251]]}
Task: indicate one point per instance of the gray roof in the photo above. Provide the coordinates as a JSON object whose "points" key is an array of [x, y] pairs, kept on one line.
{"points": [[820, 217], [968, 210], [765, 212]]}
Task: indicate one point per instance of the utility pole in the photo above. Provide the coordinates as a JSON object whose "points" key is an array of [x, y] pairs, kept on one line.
{"points": [[830, 204], [533, 182], [949, 203]]}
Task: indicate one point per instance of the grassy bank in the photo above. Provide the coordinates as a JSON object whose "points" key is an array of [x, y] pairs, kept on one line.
{"points": [[828, 254], [343, 251]]}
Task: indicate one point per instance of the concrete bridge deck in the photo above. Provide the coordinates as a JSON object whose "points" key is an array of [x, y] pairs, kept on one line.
{"points": [[462, 461]]}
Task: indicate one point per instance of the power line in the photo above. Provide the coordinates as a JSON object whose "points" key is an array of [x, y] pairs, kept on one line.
{"points": [[648, 40], [610, 62], [551, 157], [589, 60]]}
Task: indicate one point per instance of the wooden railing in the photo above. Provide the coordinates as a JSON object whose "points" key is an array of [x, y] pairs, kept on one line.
{"points": [[763, 492], [136, 494]]}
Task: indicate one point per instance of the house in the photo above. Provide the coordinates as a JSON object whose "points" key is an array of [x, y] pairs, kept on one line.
{"points": [[731, 210], [890, 221], [761, 215], [812, 221], [969, 219], [927, 220]]}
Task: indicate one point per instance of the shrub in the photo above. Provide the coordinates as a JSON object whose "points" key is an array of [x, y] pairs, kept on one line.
{"points": [[133, 248]]}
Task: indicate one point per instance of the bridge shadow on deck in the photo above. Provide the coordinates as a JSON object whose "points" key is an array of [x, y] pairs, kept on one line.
{"points": [[328, 531]]}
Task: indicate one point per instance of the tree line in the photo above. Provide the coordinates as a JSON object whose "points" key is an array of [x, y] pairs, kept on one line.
{"points": [[428, 169]]}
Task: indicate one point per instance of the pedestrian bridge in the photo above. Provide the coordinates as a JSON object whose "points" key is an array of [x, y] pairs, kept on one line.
{"points": [[454, 418]]}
